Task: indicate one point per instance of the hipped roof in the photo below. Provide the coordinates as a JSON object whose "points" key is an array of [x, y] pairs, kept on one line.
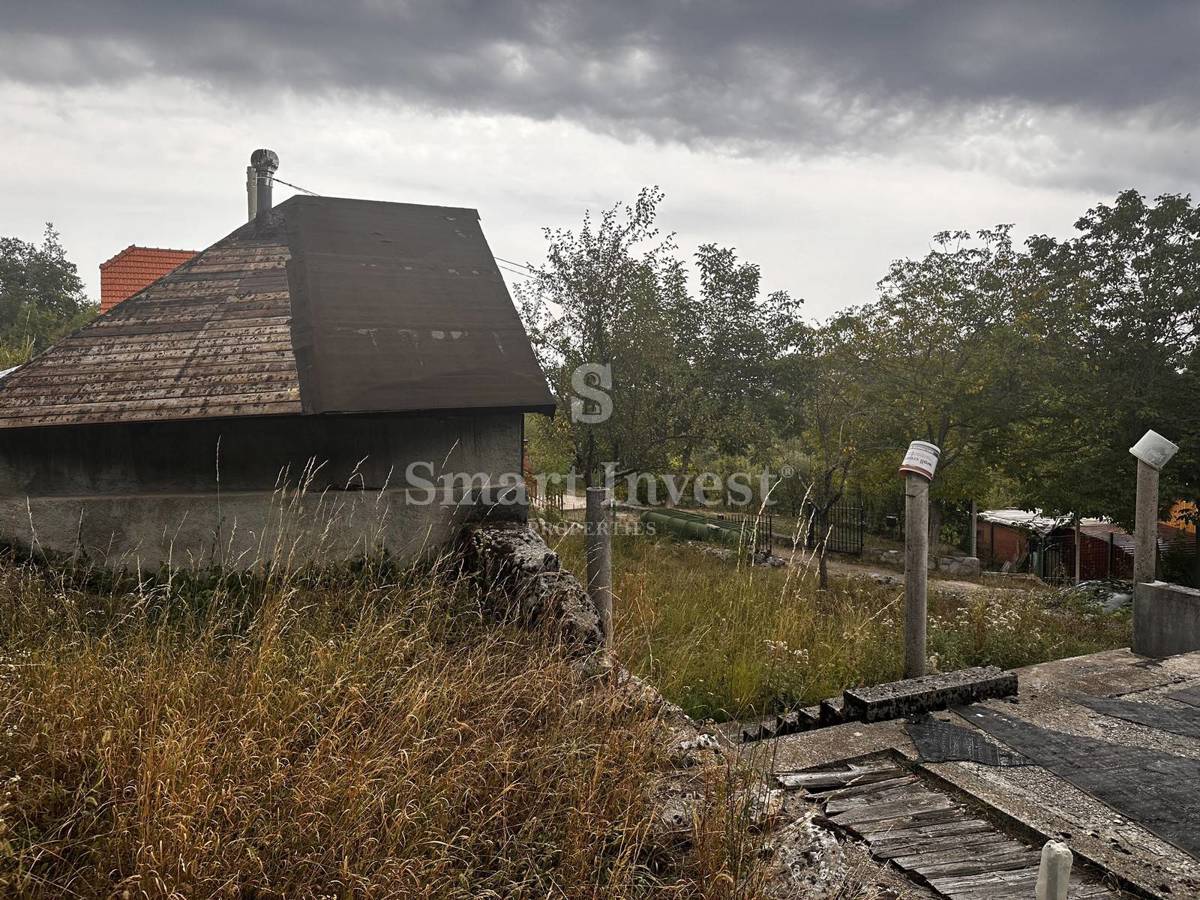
{"points": [[326, 306]]}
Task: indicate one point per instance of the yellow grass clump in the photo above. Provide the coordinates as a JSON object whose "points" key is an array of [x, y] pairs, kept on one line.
{"points": [[345, 734]]}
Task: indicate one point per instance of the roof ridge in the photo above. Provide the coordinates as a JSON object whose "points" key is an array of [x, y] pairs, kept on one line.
{"points": [[121, 253]]}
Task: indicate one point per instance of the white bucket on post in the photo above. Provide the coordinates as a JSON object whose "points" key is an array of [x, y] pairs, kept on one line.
{"points": [[921, 459]]}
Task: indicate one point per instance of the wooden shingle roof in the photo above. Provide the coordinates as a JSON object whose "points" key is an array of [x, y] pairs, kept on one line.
{"points": [[328, 306]]}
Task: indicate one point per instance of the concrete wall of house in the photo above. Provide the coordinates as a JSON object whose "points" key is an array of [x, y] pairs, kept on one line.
{"points": [[238, 491]]}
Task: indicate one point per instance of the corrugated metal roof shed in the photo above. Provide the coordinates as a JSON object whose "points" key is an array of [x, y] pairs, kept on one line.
{"points": [[328, 306]]}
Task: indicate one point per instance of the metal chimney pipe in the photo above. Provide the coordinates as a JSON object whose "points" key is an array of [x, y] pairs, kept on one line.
{"points": [[264, 163]]}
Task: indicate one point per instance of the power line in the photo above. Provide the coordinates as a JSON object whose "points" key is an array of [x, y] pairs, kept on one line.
{"points": [[296, 186], [512, 271], [527, 273], [514, 263]]}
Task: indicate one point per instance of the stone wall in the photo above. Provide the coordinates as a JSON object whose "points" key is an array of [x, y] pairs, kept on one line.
{"points": [[521, 579]]}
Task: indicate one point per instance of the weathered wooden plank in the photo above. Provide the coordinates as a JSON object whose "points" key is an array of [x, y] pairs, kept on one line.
{"points": [[87, 351], [900, 792], [838, 778], [195, 356], [185, 303], [150, 414], [1012, 883], [122, 344], [134, 378], [955, 826], [897, 809], [198, 390], [991, 858], [166, 405], [234, 323], [870, 787], [875, 831], [943, 844], [277, 350]]}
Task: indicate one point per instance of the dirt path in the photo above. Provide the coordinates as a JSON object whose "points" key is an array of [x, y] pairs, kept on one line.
{"points": [[889, 576]]}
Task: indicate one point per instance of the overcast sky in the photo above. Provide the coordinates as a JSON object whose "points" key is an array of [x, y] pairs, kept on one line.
{"points": [[822, 140]]}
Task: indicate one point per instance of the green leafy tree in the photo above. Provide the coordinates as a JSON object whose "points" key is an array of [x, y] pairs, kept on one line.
{"points": [[603, 297], [942, 354], [824, 410], [1116, 325], [690, 371], [41, 296]]}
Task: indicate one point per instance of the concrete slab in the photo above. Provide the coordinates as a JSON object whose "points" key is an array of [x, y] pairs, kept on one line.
{"points": [[1032, 799], [913, 696], [1166, 619]]}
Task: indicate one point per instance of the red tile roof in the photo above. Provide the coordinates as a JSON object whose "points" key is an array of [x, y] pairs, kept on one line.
{"points": [[135, 268]]}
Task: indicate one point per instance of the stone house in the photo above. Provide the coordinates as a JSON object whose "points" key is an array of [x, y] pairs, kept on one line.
{"points": [[277, 394]]}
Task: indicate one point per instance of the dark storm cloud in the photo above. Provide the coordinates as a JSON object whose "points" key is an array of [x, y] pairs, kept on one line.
{"points": [[836, 74]]}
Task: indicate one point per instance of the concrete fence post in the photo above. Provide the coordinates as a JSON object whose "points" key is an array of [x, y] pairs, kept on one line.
{"points": [[916, 573], [1153, 452], [918, 467], [598, 551], [1054, 873], [1145, 546]]}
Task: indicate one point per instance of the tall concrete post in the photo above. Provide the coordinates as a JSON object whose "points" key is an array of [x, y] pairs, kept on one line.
{"points": [[916, 573], [1153, 452], [1145, 530], [918, 467], [598, 551]]}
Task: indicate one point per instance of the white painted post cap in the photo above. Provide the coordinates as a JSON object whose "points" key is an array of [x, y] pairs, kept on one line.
{"points": [[921, 459], [1154, 449]]}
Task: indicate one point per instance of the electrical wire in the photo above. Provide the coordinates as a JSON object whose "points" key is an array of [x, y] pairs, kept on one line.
{"points": [[296, 186], [514, 263], [512, 271], [513, 267]]}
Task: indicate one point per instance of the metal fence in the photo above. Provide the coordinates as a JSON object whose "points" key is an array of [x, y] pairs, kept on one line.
{"points": [[843, 531], [756, 530]]}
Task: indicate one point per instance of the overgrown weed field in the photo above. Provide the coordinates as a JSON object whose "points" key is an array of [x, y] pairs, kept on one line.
{"points": [[728, 640], [353, 734]]}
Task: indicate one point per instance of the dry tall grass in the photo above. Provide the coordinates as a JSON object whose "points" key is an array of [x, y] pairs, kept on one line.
{"points": [[729, 640], [353, 734]]}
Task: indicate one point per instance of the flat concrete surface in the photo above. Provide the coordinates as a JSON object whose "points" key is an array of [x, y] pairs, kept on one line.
{"points": [[1166, 619], [1031, 798]]}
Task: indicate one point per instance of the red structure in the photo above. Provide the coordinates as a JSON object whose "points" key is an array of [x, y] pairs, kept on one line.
{"points": [[1026, 541], [135, 268]]}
